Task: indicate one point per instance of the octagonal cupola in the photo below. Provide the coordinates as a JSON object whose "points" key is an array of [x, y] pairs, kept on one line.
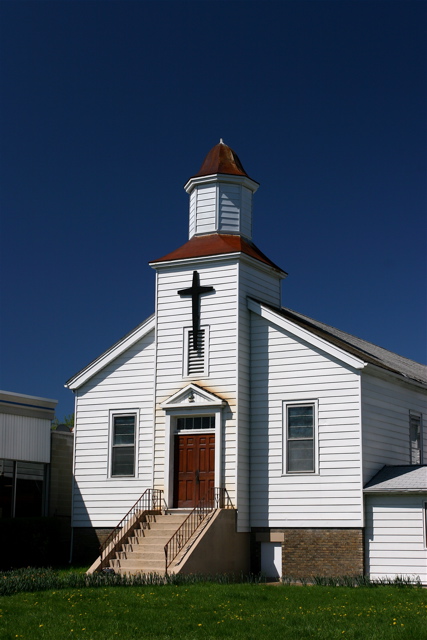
{"points": [[221, 195]]}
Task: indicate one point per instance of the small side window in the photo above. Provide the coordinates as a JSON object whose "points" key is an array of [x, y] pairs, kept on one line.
{"points": [[123, 445], [300, 432], [415, 437]]}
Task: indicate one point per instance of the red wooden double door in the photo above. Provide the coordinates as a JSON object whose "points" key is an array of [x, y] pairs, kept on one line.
{"points": [[194, 468]]}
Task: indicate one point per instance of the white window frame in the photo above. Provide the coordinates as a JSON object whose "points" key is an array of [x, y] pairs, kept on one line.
{"points": [[113, 414], [185, 359], [171, 432], [416, 414], [195, 415], [300, 403]]}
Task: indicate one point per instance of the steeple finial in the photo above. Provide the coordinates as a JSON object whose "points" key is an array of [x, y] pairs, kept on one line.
{"points": [[221, 159]]}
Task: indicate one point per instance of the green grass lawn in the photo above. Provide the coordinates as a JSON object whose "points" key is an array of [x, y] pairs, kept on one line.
{"points": [[250, 611]]}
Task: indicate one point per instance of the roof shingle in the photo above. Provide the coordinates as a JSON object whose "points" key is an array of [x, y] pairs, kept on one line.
{"points": [[362, 349], [399, 478]]}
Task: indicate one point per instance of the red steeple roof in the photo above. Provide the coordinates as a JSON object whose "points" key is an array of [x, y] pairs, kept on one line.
{"points": [[216, 244], [221, 159]]}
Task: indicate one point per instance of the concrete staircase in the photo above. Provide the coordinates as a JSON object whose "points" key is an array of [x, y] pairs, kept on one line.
{"points": [[144, 552]]}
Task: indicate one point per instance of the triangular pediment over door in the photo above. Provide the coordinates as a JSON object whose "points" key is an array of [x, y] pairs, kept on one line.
{"points": [[190, 397], [186, 403]]}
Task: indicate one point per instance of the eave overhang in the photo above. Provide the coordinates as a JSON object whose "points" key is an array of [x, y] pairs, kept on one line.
{"points": [[245, 181], [374, 365], [303, 334], [216, 245]]}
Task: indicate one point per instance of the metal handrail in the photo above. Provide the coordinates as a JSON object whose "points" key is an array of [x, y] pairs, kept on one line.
{"points": [[215, 498], [150, 501]]}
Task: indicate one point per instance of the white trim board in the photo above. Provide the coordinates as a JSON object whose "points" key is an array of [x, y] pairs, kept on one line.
{"points": [[303, 334], [178, 263]]}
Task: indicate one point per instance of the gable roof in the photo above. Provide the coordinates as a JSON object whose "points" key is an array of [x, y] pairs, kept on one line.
{"points": [[399, 478], [362, 349], [213, 244]]}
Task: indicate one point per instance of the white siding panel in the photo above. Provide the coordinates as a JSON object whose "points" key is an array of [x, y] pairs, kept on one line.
{"points": [[192, 216], [206, 205], [229, 208], [246, 213], [24, 438], [332, 497], [265, 286], [395, 536], [219, 312], [126, 384], [385, 410]]}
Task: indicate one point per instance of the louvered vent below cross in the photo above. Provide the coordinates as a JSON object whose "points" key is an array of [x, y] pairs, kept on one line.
{"points": [[196, 357]]}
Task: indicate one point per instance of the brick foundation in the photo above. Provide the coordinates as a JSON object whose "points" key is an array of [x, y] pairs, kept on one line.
{"points": [[322, 552], [315, 552]]}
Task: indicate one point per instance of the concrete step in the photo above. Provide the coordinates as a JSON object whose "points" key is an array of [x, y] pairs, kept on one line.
{"points": [[153, 552], [170, 520], [146, 565], [173, 522], [144, 551], [153, 539], [169, 524]]}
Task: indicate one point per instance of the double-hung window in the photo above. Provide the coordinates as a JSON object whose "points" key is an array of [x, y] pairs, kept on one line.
{"points": [[123, 445], [300, 433]]}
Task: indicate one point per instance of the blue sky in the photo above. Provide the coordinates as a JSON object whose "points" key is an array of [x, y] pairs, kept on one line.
{"points": [[107, 108]]}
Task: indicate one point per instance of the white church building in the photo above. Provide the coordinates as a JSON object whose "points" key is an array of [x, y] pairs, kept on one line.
{"points": [[314, 437]]}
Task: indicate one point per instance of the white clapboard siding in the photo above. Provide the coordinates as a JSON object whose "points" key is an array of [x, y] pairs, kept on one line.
{"points": [[125, 384], [333, 496], [246, 213], [205, 208], [262, 284], [229, 208], [395, 536], [221, 207], [219, 312], [386, 404], [192, 216]]}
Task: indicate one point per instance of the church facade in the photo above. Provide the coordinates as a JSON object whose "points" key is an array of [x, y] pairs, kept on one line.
{"points": [[316, 435]]}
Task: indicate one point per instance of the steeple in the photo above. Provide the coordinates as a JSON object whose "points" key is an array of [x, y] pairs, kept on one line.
{"points": [[221, 195], [221, 159]]}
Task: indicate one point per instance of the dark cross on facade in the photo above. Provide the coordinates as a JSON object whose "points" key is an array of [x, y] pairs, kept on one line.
{"points": [[195, 291]]}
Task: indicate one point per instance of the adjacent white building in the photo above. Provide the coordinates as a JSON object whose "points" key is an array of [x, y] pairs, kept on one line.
{"points": [[223, 387], [25, 453]]}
